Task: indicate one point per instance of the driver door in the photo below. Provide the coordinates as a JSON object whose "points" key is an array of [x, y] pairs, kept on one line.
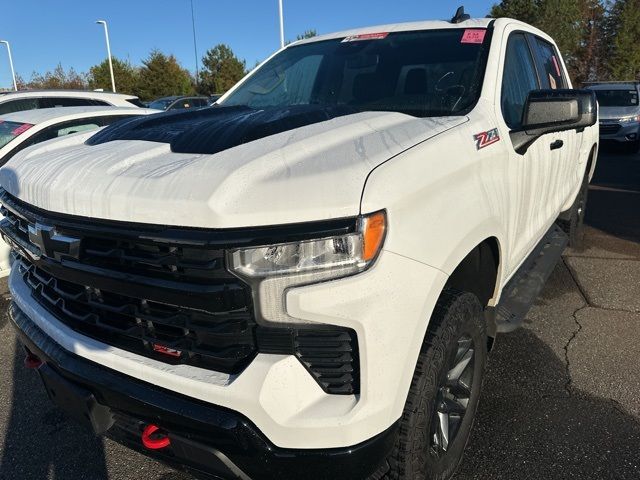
{"points": [[527, 175]]}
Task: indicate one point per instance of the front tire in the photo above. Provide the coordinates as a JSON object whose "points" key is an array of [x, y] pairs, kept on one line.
{"points": [[444, 393]]}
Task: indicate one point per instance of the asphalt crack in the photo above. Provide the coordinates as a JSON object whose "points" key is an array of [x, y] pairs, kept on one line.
{"points": [[568, 386]]}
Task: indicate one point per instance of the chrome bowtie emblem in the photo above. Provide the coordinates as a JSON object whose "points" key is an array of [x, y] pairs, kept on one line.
{"points": [[52, 244]]}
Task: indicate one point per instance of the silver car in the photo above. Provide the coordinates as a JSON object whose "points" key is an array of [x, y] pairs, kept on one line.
{"points": [[619, 112]]}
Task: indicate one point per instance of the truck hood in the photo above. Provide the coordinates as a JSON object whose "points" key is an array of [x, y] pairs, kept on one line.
{"points": [[615, 113], [306, 173]]}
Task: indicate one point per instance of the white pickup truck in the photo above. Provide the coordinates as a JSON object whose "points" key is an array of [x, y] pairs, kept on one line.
{"points": [[304, 280]]}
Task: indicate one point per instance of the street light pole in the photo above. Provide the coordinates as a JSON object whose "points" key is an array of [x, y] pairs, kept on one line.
{"points": [[195, 44], [106, 35], [13, 73], [281, 24]]}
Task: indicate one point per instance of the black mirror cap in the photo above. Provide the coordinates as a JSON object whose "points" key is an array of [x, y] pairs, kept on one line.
{"points": [[560, 108], [548, 111]]}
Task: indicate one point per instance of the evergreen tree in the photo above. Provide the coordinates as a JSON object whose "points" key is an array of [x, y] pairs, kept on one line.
{"points": [[622, 37], [221, 70], [589, 64], [125, 74], [524, 10], [162, 76]]}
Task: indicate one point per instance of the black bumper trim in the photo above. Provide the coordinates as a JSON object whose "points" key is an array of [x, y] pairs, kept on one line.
{"points": [[212, 428]]}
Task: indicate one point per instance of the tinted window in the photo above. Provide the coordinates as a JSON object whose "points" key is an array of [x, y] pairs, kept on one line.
{"points": [[617, 98], [66, 128], [136, 102], [422, 73], [11, 130], [161, 104], [18, 105], [518, 80], [53, 102], [548, 65]]}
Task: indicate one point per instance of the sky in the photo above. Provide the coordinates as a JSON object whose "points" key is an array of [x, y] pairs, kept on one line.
{"points": [[43, 33]]}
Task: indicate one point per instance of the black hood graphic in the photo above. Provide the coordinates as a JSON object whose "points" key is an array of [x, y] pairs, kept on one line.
{"points": [[212, 130]]}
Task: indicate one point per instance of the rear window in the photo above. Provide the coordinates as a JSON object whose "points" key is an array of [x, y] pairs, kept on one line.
{"points": [[136, 102], [11, 130], [617, 98], [55, 102], [18, 105]]}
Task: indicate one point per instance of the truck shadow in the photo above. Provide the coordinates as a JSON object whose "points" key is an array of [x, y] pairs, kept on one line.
{"points": [[532, 424], [39, 442]]}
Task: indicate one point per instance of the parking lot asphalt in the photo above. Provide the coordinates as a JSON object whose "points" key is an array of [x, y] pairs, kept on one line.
{"points": [[561, 398]]}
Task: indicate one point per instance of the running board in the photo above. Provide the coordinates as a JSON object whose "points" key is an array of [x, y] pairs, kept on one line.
{"points": [[527, 283]]}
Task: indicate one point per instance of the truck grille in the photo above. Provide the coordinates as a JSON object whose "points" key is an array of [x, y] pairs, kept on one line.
{"points": [[162, 294]]}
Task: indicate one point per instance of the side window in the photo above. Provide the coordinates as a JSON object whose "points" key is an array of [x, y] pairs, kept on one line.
{"points": [[66, 128], [53, 102], [549, 66], [518, 80], [18, 105]]}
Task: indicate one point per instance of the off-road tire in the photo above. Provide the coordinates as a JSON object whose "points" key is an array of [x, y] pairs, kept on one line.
{"points": [[573, 226], [457, 314]]}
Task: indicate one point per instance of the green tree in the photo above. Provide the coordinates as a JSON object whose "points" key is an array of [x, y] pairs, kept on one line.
{"points": [[307, 34], [59, 78], [561, 20], [589, 64], [575, 25], [221, 70], [160, 76], [622, 38], [125, 74], [525, 10]]}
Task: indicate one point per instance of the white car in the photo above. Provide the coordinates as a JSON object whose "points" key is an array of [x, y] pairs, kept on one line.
{"points": [[304, 280], [23, 129], [35, 99]]}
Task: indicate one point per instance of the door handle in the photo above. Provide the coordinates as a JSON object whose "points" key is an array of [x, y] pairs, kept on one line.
{"points": [[556, 145]]}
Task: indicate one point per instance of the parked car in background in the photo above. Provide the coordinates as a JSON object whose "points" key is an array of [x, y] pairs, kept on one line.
{"points": [[20, 130], [214, 98], [179, 103], [35, 99], [619, 112], [304, 281]]}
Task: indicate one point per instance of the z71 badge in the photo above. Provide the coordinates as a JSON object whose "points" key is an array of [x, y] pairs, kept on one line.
{"points": [[484, 139]]}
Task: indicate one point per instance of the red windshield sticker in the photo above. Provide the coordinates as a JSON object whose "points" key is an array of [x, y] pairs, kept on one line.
{"points": [[484, 139], [21, 129], [366, 36], [473, 35], [556, 65]]}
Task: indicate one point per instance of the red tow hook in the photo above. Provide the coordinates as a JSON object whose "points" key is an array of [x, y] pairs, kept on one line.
{"points": [[153, 439], [32, 361]]}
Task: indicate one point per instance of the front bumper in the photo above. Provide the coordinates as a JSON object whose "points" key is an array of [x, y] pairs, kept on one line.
{"points": [[619, 132], [387, 306], [204, 438]]}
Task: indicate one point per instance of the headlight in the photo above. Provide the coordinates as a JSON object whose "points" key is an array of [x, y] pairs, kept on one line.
{"points": [[634, 118], [272, 269]]}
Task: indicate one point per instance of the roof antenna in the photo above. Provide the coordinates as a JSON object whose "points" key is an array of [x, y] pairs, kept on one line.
{"points": [[460, 16]]}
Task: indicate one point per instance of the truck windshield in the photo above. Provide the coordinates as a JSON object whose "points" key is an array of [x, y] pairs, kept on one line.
{"points": [[421, 73], [617, 98], [11, 130]]}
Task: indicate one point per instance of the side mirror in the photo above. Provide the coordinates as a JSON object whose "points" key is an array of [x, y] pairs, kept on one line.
{"points": [[548, 111]]}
